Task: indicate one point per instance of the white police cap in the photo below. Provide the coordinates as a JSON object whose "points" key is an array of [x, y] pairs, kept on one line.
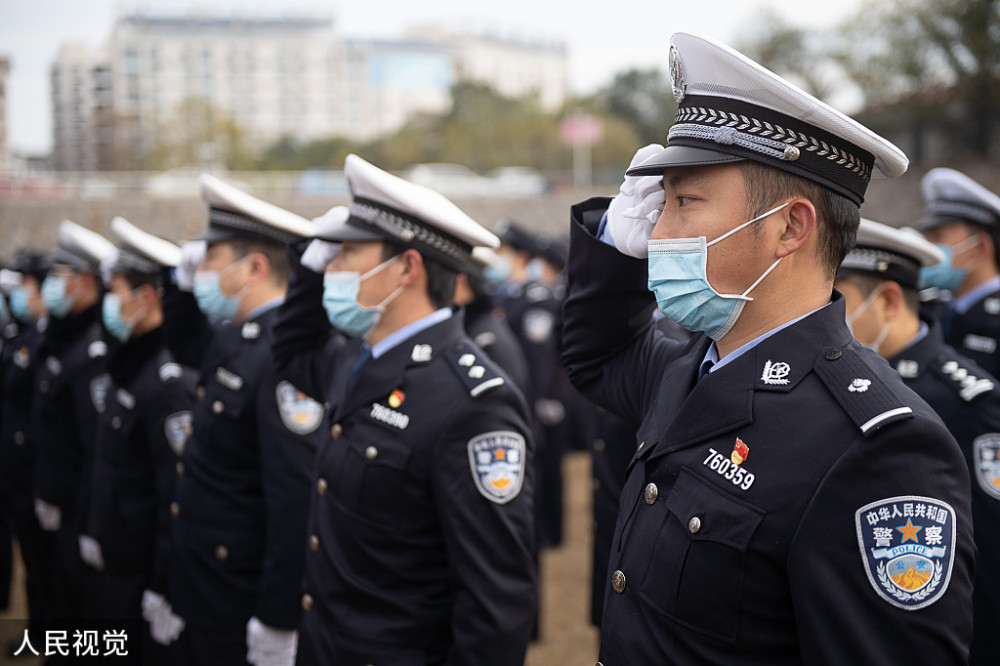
{"points": [[140, 251], [232, 213], [891, 254], [732, 109], [81, 248], [951, 196], [384, 207]]}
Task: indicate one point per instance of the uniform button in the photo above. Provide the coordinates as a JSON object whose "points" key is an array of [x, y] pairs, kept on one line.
{"points": [[371, 452], [19, 438], [651, 493], [833, 354], [618, 581], [175, 509], [641, 444], [221, 553], [200, 393], [180, 469], [116, 422], [314, 543], [599, 445], [336, 431], [321, 486], [694, 525], [307, 602], [217, 407]]}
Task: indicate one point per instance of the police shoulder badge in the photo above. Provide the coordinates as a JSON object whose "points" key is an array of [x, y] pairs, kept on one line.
{"points": [[986, 452], [497, 463], [908, 548], [300, 413], [178, 428]]}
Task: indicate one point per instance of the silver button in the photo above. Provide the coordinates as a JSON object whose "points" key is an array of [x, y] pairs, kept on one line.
{"points": [[321, 486], [336, 431], [180, 468], [618, 581], [175, 509], [313, 543], [19, 438], [307, 602], [371, 452], [217, 407], [116, 422], [651, 493], [694, 525], [221, 553], [200, 393], [599, 445], [791, 153]]}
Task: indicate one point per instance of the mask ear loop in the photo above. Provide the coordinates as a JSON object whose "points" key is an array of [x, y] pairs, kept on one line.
{"points": [[770, 268]]}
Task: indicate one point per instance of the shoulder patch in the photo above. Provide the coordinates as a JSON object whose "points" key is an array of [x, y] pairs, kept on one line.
{"points": [[538, 324], [474, 368], [178, 427], [968, 385], [860, 390], [170, 371], [99, 387], [496, 460], [907, 547], [300, 413], [986, 458]]}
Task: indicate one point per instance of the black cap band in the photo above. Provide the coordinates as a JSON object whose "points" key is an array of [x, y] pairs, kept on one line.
{"points": [[882, 264], [226, 225]]}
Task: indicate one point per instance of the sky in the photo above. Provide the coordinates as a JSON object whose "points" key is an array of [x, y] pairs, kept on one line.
{"points": [[603, 37]]}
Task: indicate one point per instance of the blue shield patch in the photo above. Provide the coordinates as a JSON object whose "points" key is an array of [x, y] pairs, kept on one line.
{"points": [[497, 462], [99, 386], [178, 428], [986, 453], [300, 413], [908, 548]]}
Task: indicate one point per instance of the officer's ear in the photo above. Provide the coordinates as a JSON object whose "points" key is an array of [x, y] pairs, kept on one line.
{"points": [[260, 266], [893, 300], [412, 263], [799, 219]]}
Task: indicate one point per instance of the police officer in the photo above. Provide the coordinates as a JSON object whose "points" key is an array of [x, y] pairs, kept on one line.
{"points": [[879, 279], [790, 500], [963, 218], [143, 429], [420, 531], [22, 337], [71, 383], [243, 493]]}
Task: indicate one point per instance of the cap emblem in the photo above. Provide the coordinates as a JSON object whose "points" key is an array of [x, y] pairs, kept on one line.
{"points": [[676, 75]]}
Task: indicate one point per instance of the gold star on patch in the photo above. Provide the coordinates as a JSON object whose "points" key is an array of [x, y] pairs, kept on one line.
{"points": [[909, 531]]}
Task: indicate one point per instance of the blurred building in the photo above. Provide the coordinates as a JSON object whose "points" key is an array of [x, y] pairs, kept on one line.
{"points": [[5, 154], [277, 77]]}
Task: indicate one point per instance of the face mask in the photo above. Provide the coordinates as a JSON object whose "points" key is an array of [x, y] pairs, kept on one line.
{"points": [[54, 295], [111, 312], [945, 275], [20, 305], [340, 299], [208, 293], [535, 270], [678, 276], [860, 310], [497, 273]]}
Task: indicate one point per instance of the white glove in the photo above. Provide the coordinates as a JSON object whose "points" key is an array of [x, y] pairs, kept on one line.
{"points": [[192, 254], [267, 646], [90, 551], [8, 280], [319, 253], [164, 626], [634, 211], [49, 516]]}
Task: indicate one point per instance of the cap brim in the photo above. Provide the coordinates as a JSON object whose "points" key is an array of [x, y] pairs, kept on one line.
{"points": [[216, 235], [677, 156], [346, 231]]}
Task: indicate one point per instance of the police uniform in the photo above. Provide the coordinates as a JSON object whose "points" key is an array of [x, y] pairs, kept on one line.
{"points": [[971, 323], [242, 493], [420, 529], [965, 396], [141, 433], [766, 507], [71, 388]]}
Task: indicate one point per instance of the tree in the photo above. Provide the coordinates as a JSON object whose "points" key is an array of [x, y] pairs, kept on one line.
{"points": [[643, 99], [199, 135]]}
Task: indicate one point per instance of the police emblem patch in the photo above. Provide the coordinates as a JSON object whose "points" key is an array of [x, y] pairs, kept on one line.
{"points": [[99, 386], [908, 548], [986, 449], [538, 324], [300, 413], [178, 428], [497, 463], [775, 374]]}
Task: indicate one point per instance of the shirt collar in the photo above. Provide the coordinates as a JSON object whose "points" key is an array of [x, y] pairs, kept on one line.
{"points": [[400, 335], [966, 301], [264, 307]]}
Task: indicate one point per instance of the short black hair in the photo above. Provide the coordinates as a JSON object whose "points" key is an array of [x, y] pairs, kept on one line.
{"points": [[276, 255], [867, 283], [440, 278], [837, 216]]}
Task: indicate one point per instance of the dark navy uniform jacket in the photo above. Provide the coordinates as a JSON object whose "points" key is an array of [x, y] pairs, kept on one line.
{"points": [[141, 435], [765, 511], [72, 386], [495, 337], [18, 364], [967, 399], [976, 332], [420, 531], [242, 501]]}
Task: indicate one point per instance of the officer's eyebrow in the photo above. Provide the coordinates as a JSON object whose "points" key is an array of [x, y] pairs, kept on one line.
{"points": [[678, 177]]}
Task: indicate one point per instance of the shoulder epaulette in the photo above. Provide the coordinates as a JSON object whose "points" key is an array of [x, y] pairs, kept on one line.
{"points": [[473, 367], [968, 385], [860, 389]]}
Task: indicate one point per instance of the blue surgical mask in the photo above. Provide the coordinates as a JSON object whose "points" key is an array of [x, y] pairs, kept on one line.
{"points": [[678, 277], [20, 304], [535, 270], [340, 299], [946, 275], [858, 311], [497, 273], [208, 293], [54, 294], [111, 312]]}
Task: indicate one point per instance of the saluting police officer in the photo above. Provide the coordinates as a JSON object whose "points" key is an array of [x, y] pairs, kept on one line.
{"points": [[879, 279], [141, 433], [963, 218], [242, 495], [790, 500], [420, 531], [22, 337], [72, 384]]}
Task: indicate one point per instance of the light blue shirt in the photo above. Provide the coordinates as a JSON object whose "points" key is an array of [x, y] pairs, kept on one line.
{"points": [[962, 304], [261, 309], [400, 335], [921, 334]]}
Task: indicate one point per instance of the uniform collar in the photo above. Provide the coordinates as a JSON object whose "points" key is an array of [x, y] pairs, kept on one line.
{"points": [[962, 304], [401, 334], [264, 307], [922, 350]]}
